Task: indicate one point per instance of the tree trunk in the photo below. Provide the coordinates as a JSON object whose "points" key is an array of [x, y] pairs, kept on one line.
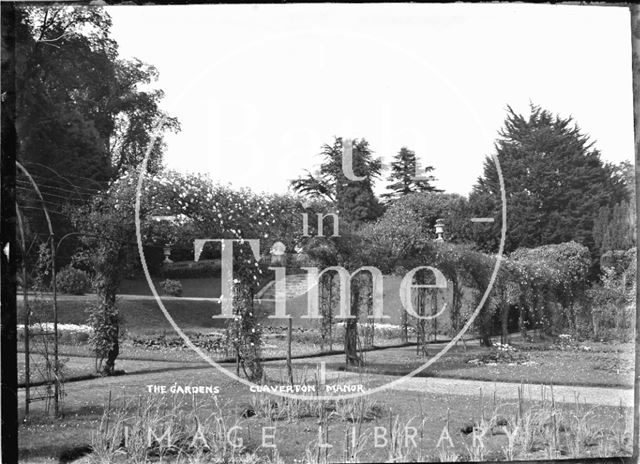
{"points": [[289, 336], [404, 323], [110, 362], [434, 311], [485, 322], [331, 313], [421, 346], [326, 323], [351, 329], [455, 308], [107, 291], [504, 322], [249, 341], [323, 312], [521, 321]]}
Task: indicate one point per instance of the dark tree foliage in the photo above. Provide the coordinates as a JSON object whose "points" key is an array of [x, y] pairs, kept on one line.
{"points": [[81, 108], [403, 176], [554, 179], [431, 206], [614, 227], [85, 116], [355, 201]]}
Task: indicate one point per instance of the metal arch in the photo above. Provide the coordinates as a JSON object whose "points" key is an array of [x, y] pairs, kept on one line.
{"points": [[75, 187], [37, 189], [56, 397], [27, 355], [65, 179]]}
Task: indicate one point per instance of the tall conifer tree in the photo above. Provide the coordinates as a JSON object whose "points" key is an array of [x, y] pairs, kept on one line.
{"points": [[403, 176]]}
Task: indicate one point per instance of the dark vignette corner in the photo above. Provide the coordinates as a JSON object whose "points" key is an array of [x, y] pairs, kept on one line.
{"points": [[8, 358]]}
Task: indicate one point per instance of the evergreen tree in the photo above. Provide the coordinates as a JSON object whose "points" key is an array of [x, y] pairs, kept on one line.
{"points": [[356, 204], [403, 176], [554, 179], [614, 229], [354, 199]]}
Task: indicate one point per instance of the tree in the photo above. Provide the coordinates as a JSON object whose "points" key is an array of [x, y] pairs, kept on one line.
{"points": [[614, 229], [210, 211], [403, 176], [354, 200], [554, 179], [82, 109], [400, 240], [356, 204], [107, 232], [84, 116], [428, 207], [220, 212]]}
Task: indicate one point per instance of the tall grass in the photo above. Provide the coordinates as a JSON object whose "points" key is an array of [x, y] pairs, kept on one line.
{"points": [[530, 429], [154, 427]]}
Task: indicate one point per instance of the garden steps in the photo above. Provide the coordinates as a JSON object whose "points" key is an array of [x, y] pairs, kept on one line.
{"points": [[296, 285]]}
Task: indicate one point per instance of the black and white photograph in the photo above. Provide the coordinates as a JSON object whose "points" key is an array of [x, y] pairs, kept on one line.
{"points": [[319, 233]]}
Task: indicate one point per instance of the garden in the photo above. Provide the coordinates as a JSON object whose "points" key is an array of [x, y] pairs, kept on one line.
{"points": [[542, 315], [355, 313]]}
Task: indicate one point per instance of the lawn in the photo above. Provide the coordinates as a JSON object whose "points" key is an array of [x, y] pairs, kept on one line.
{"points": [[149, 337], [75, 367], [541, 363], [297, 426], [199, 288], [602, 364], [143, 315]]}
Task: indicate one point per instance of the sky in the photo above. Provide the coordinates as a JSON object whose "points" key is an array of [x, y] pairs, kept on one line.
{"points": [[259, 89]]}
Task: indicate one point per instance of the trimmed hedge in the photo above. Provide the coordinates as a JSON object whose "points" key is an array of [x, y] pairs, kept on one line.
{"points": [[189, 270]]}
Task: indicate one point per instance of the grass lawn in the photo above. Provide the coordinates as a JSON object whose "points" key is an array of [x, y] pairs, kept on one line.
{"points": [[200, 288], [591, 363], [596, 364], [142, 316], [75, 367], [41, 438], [603, 365], [608, 366]]}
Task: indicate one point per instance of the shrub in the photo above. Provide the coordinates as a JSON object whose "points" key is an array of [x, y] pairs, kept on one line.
{"points": [[73, 281], [192, 270], [171, 287], [612, 307], [209, 342]]}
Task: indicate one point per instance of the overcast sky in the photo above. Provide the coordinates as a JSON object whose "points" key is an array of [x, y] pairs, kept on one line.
{"points": [[259, 89]]}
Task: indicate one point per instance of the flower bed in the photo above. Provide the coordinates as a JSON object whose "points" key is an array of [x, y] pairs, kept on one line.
{"points": [[67, 333], [208, 342], [502, 354]]}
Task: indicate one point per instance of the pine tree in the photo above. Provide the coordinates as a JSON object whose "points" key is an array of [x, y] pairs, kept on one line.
{"points": [[403, 176]]}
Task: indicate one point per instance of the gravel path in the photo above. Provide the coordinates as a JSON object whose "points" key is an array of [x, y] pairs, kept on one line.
{"points": [[564, 394]]}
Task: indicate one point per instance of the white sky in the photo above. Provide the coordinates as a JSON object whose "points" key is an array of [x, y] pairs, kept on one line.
{"points": [[259, 89]]}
